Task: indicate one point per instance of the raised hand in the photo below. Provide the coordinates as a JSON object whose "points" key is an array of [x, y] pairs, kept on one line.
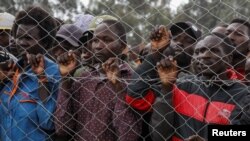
{"points": [[7, 69], [36, 62], [67, 63], [167, 70], [111, 68], [160, 38]]}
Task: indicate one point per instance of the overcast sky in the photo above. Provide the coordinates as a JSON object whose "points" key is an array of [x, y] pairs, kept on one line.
{"points": [[174, 3]]}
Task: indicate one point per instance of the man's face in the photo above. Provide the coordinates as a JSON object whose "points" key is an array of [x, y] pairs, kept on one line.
{"points": [[238, 33], [106, 43], [87, 52], [5, 37], [211, 56], [28, 39], [183, 46]]}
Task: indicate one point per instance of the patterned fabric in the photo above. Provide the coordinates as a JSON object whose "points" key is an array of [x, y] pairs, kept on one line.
{"points": [[94, 111]]}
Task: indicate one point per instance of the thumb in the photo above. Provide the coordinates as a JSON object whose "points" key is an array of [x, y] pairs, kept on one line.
{"points": [[40, 59], [28, 57]]}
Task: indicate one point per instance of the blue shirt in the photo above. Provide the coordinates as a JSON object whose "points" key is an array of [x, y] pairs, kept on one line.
{"points": [[24, 116]]}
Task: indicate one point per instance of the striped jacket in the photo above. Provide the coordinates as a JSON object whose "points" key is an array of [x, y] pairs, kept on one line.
{"points": [[196, 103]]}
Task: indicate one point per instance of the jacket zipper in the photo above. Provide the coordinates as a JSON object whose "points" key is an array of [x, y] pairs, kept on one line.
{"points": [[204, 120]]}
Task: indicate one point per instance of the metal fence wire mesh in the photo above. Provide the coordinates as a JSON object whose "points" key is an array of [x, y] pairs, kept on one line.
{"points": [[122, 70]]}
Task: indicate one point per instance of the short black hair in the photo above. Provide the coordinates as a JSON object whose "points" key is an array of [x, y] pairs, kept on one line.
{"points": [[243, 22], [119, 28], [35, 15], [226, 42]]}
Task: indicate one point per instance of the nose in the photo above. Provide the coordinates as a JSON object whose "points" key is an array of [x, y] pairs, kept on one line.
{"points": [[21, 43], [204, 55], [98, 45], [231, 37], [12, 42]]}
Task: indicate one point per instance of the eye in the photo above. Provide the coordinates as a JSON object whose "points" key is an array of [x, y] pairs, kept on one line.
{"points": [[202, 50], [239, 34], [107, 40], [95, 40], [214, 50], [28, 37], [196, 52]]}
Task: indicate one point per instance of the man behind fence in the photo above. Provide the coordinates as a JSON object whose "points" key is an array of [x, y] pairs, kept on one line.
{"points": [[94, 108], [68, 38], [239, 33], [197, 101], [28, 98]]}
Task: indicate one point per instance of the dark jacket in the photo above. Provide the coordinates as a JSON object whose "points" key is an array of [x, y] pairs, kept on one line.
{"points": [[196, 103], [143, 91]]}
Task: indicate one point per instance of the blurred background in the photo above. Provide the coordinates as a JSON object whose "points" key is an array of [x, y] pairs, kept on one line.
{"points": [[139, 16]]}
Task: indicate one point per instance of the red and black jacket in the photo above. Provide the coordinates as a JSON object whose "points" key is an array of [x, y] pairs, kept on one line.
{"points": [[143, 89], [196, 103]]}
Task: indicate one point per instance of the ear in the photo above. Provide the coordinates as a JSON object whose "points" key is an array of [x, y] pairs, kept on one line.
{"points": [[229, 59], [125, 50], [123, 45]]}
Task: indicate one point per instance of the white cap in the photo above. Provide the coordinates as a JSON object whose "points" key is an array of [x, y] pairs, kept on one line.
{"points": [[83, 21], [6, 20], [5, 54]]}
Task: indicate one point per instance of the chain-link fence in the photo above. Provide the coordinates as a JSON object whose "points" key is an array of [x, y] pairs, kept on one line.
{"points": [[123, 70]]}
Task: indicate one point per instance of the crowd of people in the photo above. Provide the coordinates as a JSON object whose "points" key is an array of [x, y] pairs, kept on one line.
{"points": [[81, 81]]}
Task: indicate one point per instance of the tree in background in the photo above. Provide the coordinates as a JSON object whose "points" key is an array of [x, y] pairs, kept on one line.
{"points": [[140, 16], [63, 9], [208, 13]]}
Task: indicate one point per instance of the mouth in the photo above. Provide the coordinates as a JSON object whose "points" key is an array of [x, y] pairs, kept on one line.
{"points": [[86, 56], [234, 44], [99, 56], [204, 64]]}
